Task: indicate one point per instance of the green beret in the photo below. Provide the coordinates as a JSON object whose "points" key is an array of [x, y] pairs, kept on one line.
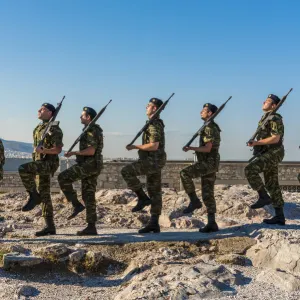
{"points": [[157, 102], [211, 107], [49, 106], [90, 111]]}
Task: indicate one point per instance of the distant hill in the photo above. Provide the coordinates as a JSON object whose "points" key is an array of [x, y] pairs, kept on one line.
{"points": [[15, 149], [17, 146]]}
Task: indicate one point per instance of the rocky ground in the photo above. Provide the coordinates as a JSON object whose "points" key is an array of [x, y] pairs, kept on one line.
{"points": [[244, 260]]}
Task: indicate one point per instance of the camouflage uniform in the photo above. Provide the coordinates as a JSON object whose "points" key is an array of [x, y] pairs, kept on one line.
{"points": [[43, 166], [87, 170], [150, 163], [206, 167], [2, 159], [267, 162]]}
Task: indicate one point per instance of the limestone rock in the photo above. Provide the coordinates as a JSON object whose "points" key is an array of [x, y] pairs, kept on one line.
{"points": [[96, 262], [207, 257], [53, 253], [277, 250], [76, 256], [283, 280], [16, 260], [75, 260], [115, 196], [178, 281]]}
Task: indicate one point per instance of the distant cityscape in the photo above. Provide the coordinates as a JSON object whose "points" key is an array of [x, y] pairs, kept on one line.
{"points": [[17, 154], [25, 155], [22, 150]]}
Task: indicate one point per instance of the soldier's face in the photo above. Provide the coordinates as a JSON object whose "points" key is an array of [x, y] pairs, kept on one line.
{"points": [[85, 118], [268, 105], [44, 113], [205, 113], [150, 109]]}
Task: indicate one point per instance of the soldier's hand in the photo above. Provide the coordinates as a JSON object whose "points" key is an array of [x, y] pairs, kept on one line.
{"points": [[251, 144], [39, 150], [130, 147], [68, 154], [186, 149]]}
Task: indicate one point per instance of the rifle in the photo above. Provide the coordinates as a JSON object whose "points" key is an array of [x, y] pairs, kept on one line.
{"points": [[207, 122], [154, 116], [268, 118], [89, 126], [51, 123]]}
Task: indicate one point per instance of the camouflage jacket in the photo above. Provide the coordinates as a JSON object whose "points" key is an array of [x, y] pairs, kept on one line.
{"points": [[154, 133], [273, 127], [2, 156], [210, 133], [54, 138], [93, 137]]}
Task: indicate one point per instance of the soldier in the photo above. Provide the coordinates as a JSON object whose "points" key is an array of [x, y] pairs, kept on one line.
{"points": [[152, 158], [270, 151], [2, 159], [89, 164], [208, 163], [45, 163]]}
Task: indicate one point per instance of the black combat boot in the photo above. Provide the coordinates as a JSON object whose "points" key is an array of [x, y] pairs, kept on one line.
{"points": [[89, 230], [278, 219], [77, 206], [211, 225], [143, 200], [49, 229], [195, 203], [264, 199], [34, 199], [152, 226]]}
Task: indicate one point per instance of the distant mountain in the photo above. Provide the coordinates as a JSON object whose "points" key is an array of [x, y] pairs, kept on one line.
{"points": [[17, 146], [15, 149]]}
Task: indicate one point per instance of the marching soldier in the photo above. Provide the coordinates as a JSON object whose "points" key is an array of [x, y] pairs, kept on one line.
{"points": [[45, 163], [152, 158], [89, 164], [2, 159], [269, 153], [208, 163]]}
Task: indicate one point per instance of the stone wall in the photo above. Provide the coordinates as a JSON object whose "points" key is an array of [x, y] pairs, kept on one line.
{"points": [[229, 173]]}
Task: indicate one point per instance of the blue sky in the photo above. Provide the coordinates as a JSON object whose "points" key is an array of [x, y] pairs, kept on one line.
{"points": [[130, 51]]}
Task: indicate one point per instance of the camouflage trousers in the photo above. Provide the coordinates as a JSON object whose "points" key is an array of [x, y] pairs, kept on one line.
{"points": [[152, 170], [207, 173], [37, 174], [88, 176], [267, 163]]}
